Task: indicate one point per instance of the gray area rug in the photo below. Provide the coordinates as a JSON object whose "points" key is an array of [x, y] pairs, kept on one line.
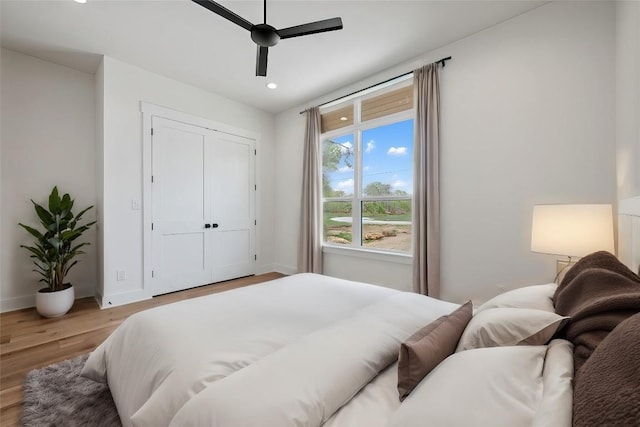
{"points": [[57, 396]]}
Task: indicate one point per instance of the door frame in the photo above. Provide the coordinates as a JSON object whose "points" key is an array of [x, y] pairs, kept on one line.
{"points": [[149, 111]]}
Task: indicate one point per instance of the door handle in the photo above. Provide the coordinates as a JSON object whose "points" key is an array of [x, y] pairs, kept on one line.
{"points": [[214, 225], [207, 226]]}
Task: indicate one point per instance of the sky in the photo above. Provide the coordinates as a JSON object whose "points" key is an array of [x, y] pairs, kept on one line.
{"points": [[387, 157]]}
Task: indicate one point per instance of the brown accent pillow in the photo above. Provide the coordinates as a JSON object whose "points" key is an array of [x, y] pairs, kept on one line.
{"points": [[429, 346]]}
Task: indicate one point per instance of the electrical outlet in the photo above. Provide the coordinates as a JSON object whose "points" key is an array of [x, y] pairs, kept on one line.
{"points": [[121, 275]]}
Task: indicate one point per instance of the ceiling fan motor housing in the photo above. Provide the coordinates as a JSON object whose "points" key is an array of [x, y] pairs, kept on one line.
{"points": [[264, 35]]}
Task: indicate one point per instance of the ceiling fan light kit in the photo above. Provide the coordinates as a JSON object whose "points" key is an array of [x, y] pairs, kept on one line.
{"points": [[265, 35]]}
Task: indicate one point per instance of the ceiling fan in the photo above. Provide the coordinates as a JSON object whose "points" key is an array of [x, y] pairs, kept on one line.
{"points": [[265, 35]]}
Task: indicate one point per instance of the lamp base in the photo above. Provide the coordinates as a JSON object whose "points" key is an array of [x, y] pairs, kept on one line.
{"points": [[562, 266]]}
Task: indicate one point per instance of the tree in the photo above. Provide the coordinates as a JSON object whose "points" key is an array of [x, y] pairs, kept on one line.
{"points": [[377, 189], [332, 154]]}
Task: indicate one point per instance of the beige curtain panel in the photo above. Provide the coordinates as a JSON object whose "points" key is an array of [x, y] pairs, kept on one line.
{"points": [[426, 193], [310, 244]]}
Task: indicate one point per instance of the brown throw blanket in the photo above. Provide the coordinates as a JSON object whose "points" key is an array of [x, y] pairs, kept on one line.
{"points": [[597, 293], [607, 392]]}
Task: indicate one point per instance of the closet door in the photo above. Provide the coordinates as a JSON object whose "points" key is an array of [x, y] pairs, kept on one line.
{"points": [[232, 163], [203, 206], [181, 206]]}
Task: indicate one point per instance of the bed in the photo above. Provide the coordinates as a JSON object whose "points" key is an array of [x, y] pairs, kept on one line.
{"points": [[310, 350]]}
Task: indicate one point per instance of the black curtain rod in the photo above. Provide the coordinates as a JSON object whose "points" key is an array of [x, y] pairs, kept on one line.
{"points": [[439, 61]]}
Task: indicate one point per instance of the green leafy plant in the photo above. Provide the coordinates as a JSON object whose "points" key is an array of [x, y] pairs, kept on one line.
{"points": [[54, 249]]}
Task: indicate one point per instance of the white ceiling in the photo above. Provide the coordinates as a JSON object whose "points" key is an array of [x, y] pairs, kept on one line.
{"points": [[184, 41]]}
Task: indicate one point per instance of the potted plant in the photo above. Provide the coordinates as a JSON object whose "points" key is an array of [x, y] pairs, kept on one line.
{"points": [[54, 251]]}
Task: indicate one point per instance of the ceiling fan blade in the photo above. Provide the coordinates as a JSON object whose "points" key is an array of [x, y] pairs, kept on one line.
{"points": [[311, 28], [261, 61], [225, 13]]}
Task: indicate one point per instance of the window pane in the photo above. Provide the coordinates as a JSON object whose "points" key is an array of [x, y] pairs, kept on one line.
{"points": [[337, 166], [387, 160], [336, 119], [337, 223], [388, 103], [386, 224]]}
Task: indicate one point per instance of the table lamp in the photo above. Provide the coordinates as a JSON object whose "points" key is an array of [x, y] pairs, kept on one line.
{"points": [[572, 231]]}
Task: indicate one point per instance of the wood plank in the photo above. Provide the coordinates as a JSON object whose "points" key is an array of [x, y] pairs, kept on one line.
{"points": [[331, 120], [10, 417], [11, 396], [388, 103], [29, 342], [14, 366]]}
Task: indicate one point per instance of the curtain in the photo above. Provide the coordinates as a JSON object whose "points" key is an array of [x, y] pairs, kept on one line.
{"points": [[426, 193], [310, 243]]}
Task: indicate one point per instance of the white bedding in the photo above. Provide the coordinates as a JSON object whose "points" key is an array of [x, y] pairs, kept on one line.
{"points": [[494, 387], [549, 371], [310, 350], [306, 344], [373, 406]]}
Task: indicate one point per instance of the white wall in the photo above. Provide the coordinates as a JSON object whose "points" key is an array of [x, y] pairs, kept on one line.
{"points": [[48, 138], [124, 87], [527, 118], [628, 122]]}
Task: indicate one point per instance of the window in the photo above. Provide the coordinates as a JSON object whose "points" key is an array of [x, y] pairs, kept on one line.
{"points": [[367, 170]]}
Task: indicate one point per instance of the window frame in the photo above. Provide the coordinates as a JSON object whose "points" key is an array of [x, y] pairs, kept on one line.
{"points": [[356, 129]]}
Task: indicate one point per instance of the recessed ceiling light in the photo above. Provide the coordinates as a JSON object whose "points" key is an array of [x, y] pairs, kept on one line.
{"points": [[343, 118], [272, 85], [80, 1]]}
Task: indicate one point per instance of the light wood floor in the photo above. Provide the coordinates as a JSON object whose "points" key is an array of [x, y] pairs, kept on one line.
{"points": [[28, 341]]}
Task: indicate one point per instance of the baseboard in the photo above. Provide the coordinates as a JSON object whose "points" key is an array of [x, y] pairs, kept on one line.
{"points": [[27, 301], [263, 269], [17, 303], [114, 300], [284, 269], [98, 297]]}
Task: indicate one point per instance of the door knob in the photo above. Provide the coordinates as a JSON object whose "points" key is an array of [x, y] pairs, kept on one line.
{"points": [[207, 226], [214, 225]]}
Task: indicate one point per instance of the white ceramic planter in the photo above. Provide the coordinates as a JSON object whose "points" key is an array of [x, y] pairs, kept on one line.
{"points": [[54, 304]]}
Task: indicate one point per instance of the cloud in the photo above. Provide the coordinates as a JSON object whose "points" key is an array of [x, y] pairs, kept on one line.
{"points": [[370, 146], [345, 169], [346, 185], [397, 151], [398, 183], [346, 146]]}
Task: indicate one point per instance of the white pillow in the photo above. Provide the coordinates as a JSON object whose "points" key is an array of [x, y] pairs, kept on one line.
{"points": [[538, 297], [496, 327], [492, 387]]}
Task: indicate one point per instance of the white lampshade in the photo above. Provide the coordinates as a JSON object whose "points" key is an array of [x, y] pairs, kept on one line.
{"points": [[572, 230]]}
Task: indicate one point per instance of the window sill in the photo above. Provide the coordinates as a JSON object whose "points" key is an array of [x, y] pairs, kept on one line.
{"points": [[370, 254]]}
